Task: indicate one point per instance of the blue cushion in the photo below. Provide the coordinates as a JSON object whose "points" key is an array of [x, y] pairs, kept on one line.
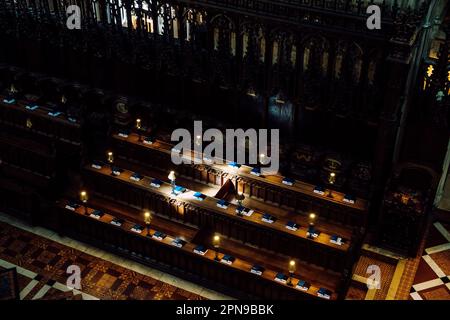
{"points": [[200, 248], [124, 131], [73, 204], [257, 267], [324, 291], [54, 114], [199, 196], [159, 234], [97, 163], [228, 258], [269, 217], [281, 276], [179, 242], [180, 189], [349, 198], [256, 170], [234, 165], [98, 213], [223, 202], [156, 182], [149, 139], [9, 101], [292, 224], [117, 169], [118, 221], [303, 283], [288, 180], [319, 189], [137, 176]]}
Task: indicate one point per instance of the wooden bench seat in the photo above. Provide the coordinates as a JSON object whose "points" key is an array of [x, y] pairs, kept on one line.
{"points": [[186, 209], [133, 215], [298, 197], [16, 115], [78, 223]]}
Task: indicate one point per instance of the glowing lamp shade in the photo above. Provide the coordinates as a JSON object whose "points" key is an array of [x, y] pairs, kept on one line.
{"points": [[147, 217], [110, 157], [83, 196], [312, 218], [216, 241], [291, 266], [332, 178]]}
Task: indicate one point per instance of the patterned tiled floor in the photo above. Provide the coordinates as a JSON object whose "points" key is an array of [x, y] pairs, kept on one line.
{"points": [[356, 292], [42, 271], [407, 279], [42, 257], [432, 279], [387, 272], [424, 277]]}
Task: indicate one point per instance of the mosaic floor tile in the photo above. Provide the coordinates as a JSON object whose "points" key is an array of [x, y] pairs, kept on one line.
{"points": [[100, 278], [439, 293], [442, 259], [431, 279]]}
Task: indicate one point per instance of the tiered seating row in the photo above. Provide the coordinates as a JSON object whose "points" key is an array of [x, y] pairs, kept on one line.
{"points": [[299, 196], [206, 214], [27, 155], [40, 122], [237, 275]]}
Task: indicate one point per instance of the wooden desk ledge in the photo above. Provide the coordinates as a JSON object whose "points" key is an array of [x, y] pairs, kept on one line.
{"points": [[25, 144], [210, 203], [161, 174], [189, 247], [134, 215], [301, 218], [276, 180], [41, 111]]}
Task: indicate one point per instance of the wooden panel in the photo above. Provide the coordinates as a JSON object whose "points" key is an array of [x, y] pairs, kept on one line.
{"points": [[205, 214], [237, 275], [42, 124], [300, 196]]}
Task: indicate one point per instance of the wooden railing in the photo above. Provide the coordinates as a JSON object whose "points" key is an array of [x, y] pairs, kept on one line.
{"points": [[300, 197], [205, 214], [346, 14], [236, 276]]}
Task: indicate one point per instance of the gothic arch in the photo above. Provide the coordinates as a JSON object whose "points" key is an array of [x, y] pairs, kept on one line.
{"points": [[224, 34], [192, 18], [373, 70], [315, 53], [284, 47], [167, 18], [253, 40]]}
